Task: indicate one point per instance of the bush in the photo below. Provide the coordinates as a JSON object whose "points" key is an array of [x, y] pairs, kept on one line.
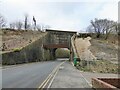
{"points": [[17, 49]]}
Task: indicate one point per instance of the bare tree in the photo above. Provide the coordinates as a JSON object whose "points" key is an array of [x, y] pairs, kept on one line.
{"points": [[103, 26], [118, 28], [111, 28], [19, 25], [96, 26], [29, 26], [26, 22], [34, 20], [2, 21], [12, 25], [38, 27]]}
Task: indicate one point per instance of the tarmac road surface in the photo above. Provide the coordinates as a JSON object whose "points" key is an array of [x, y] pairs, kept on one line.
{"points": [[27, 75]]}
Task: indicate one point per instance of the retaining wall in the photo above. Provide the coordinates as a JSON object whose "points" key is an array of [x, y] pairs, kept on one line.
{"points": [[106, 83]]}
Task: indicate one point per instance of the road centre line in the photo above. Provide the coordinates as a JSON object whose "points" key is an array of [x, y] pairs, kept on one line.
{"points": [[52, 79], [45, 82]]}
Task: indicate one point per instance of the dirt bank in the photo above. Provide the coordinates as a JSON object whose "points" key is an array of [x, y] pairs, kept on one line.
{"points": [[96, 55], [82, 46], [15, 39]]}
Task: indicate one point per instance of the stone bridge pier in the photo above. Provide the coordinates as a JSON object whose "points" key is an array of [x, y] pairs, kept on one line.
{"points": [[52, 53]]}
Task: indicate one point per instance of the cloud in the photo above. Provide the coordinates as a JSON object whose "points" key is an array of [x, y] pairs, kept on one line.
{"points": [[31, 1], [63, 15], [109, 11]]}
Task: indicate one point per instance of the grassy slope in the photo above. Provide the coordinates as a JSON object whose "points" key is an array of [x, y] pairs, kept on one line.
{"points": [[103, 50], [16, 39], [101, 66], [105, 53]]}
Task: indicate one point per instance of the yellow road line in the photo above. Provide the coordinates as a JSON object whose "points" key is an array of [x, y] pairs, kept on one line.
{"points": [[53, 73], [44, 82], [52, 79], [49, 77], [41, 86]]}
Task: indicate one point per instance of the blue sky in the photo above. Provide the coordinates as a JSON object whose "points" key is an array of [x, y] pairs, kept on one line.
{"points": [[74, 15]]}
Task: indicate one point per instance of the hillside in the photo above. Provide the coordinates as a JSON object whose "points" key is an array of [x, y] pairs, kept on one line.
{"points": [[15, 39], [97, 55], [104, 50]]}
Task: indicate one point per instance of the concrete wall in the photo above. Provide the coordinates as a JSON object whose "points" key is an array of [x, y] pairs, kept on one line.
{"points": [[31, 53]]}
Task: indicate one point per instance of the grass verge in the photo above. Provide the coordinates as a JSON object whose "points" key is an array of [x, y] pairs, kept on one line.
{"points": [[101, 66]]}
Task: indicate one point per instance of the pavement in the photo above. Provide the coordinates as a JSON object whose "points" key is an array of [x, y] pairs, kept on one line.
{"points": [[89, 75], [33, 75], [69, 77], [28, 75]]}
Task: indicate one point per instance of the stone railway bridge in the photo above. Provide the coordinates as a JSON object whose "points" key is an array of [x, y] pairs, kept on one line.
{"points": [[58, 39], [48, 43]]}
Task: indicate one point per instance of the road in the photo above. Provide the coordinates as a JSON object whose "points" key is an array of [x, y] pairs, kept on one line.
{"points": [[69, 77], [27, 75]]}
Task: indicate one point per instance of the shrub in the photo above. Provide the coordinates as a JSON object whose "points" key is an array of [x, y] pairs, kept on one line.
{"points": [[62, 53], [17, 49]]}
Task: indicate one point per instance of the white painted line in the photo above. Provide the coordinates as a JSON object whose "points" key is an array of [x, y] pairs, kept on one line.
{"points": [[11, 67], [19, 65], [72, 63], [83, 77], [86, 80]]}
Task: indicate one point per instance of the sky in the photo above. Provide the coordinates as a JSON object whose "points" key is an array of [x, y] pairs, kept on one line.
{"points": [[73, 15]]}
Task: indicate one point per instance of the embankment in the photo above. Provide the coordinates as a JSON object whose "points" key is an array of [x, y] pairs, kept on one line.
{"points": [[30, 53]]}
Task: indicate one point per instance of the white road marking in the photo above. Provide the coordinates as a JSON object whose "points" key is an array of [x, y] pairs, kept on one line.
{"points": [[86, 80]]}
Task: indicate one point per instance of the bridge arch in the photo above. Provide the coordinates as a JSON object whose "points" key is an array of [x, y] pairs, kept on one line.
{"points": [[62, 53]]}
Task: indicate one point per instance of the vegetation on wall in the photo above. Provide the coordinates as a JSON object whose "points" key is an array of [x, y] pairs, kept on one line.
{"points": [[46, 55]]}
